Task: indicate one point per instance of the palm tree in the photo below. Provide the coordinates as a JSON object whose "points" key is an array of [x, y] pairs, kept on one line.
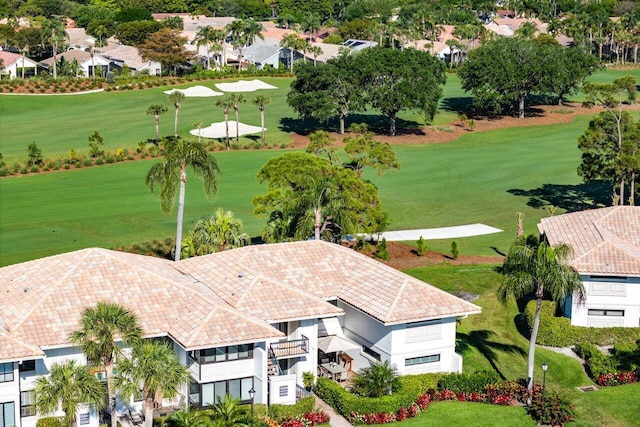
{"points": [[100, 327], [155, 110], [316, 51], [227, 413], [225, 103], [538, 268], [219, 232], [198, 126], [68, 386], [262, 101], [237, 99], [310, 22], [187, 418], [56, 35], [154, 366], [379, 379], [204, 37], [292, 42], [243, 33], [176, 97], [171, 175]]}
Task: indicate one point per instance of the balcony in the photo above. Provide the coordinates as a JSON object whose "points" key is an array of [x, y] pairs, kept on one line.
{"points": [[284, 349]]}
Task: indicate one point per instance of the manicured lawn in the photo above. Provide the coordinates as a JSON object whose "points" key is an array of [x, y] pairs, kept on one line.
{"points": [[491, 341]]}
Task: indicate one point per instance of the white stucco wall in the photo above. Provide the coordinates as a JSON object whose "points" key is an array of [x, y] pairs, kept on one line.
{"points": [[607, 295]]}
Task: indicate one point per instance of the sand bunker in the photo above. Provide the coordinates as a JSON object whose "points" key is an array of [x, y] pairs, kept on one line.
{"points": [[217, 130], [244, 86], [196, 92], [439, 233]]}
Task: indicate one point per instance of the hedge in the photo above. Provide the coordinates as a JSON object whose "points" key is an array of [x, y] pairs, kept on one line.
{"points": [[285, 412], [49, 422], [558, 331], [345, 402], [468, 382]]}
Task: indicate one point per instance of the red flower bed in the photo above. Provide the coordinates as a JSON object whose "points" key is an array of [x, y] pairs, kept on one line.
{"points": [[618, 378], [308, 419]]}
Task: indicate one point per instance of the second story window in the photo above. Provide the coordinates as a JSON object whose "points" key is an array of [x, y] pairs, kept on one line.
{"points": [[6, 372]]}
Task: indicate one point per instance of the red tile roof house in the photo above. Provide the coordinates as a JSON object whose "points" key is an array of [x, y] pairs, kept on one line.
{"points": [[11, 65], [606, 253], [240, 319]]}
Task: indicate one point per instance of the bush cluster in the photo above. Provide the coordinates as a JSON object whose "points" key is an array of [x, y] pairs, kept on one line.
{"points": [[288, 412], [49, 422], [558, 331], [468, 382], [596, 362], [550, 410]]}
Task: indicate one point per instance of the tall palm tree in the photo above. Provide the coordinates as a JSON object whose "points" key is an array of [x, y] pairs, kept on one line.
{"points": [[155, 110], [262, 101], [176, 97], [316, 51], [56, 34], [220, 231], [154, 367], [198, 124], [311, 23], [170, 175], [204, 38], [227, 413], [100, 327], [225, 103], [532, 268], [292, 42], [379, 379], [237, 99], [68, 385]]}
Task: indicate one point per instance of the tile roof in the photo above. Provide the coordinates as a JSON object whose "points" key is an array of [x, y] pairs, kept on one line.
{"points": [[604, 241], [208, 301], [323, 271]]}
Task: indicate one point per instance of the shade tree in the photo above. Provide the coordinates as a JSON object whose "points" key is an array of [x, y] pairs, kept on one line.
{"points": [[167, 47]]}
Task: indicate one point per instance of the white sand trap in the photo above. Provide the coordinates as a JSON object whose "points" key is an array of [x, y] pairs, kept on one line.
{"points": [[440, 233], [244, 86], [196, 92], [217, 130]]}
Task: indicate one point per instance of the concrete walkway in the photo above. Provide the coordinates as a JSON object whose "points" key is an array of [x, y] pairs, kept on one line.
{"points": [[335, 420]]}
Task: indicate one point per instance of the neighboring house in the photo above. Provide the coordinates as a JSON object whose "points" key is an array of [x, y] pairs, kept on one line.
{"points": [[79, 39], [12, 64], [261, 55], [606, 252], [85, 60], [121, 55], [248, 318]]}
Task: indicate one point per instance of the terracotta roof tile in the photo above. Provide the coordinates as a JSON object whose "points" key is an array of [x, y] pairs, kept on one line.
{"points": [[604, 241]]}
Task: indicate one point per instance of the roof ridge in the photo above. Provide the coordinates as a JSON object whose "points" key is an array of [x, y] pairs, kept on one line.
{"points": [[392, 307], [45, 295], [198, 331]]}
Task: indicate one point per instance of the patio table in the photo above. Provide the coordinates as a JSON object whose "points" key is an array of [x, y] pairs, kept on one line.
{"points": [[335, 369]]}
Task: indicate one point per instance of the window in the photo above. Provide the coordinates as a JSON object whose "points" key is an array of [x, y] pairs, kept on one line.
{"points": [[223, 354], [598, 312], [368, 351], [6, 372], [424, 331], [27, 366], [422, 359], [7, 415], [213, 393], [27, 404]]}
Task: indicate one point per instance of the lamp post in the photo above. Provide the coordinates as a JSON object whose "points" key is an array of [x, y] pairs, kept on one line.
{"points": [[545, 366], [252, 394]]}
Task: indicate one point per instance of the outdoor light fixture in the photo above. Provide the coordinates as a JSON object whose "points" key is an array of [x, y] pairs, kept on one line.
{"points": [[252, 394], [545, 366]]}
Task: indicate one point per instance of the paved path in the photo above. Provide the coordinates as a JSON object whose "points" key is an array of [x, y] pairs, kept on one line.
{"points": [[335, 420]]}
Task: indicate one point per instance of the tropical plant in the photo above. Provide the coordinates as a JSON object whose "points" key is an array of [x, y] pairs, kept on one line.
{"points": [[176, 97], [225, 103], [154, 366], [56, 35], [262, 101], [100, 327], [537, 268], [376, 380], [68, 385], [188, 418], [170, 175], [206, 36], [293, 42], [215, 233], [237, 99], [228, 413], [155, 110]]}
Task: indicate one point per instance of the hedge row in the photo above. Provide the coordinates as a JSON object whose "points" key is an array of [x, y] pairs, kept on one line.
{"points": [[558, 331], [286, 412]]}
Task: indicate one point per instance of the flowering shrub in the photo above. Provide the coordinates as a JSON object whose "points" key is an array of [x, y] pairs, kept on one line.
{"points": [[423, 401], [618, 378], [311, 418], [550, 410]]}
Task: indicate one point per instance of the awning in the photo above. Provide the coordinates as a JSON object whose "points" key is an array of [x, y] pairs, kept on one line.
{"points": [[335, 343], [329, 326]]}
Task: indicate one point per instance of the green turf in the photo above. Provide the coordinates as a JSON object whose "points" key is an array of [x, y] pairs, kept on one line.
{"points": [[491, 341]]}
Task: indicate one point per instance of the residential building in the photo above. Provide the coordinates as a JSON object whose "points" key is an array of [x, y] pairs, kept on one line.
{"points": [[13, 63], [248, 318], [606, 253]]}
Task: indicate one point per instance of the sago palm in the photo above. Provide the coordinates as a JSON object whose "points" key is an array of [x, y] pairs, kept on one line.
{"points": [[68, 386], [221, 231], [379, 379], [155, 367], [532, 268], [170, 175], [100, 327]]}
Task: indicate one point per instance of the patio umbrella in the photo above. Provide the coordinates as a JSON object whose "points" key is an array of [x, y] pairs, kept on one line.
{"points": [[334, 343]]}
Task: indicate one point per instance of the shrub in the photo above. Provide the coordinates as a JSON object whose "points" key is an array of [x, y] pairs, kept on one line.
{"points": [[550, 410], [596, 362], [553, 331], [468, 382], [287, 412], [421, 246], [382, 251], [49, 422], [454, 250]]}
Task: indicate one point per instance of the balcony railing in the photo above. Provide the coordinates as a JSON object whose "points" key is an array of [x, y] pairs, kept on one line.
{"points": [[290, 348]]}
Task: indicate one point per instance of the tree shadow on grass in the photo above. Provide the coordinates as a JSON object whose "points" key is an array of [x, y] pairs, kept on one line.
{"points": [[376, 123], [481, 341], [571, 198], [458, 105]]}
